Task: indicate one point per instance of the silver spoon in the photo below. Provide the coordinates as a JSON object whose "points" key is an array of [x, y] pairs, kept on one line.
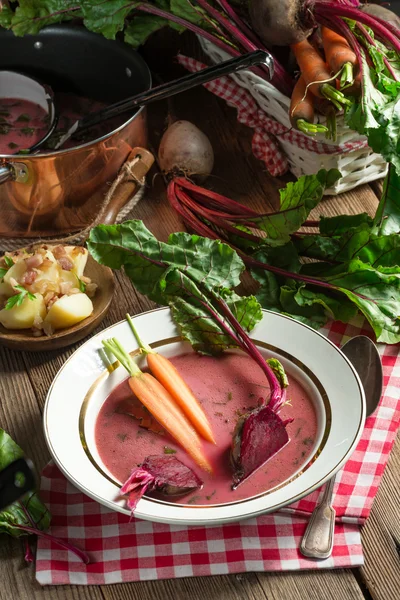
{"points": [[317, 541]]}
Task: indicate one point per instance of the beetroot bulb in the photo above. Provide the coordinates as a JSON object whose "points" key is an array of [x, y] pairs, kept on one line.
{"points": [[279, 22], [185, 150], [164, 474]]}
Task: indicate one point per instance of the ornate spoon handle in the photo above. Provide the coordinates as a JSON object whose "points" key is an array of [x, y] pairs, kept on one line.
{"points": [[317, 541]]}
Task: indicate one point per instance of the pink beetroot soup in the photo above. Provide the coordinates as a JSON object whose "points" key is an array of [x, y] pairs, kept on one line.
{"points": [[227, 387]]}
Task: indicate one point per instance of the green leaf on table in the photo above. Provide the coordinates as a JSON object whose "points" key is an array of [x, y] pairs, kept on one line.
{"points": [[387, 217], [15, 515], [6, 15], [343, 223], [191, 274], [31, 15], [376, 293], [140, 27], [297, 199], [107, 18]]}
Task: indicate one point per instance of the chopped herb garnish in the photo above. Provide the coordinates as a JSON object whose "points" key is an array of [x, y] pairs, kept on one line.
{"points": [[24, 118], [229, 396], [4, 113], [28, 131], [168, 450], [298, 432], [193, 499], [122, 436], [3, 271], [81, 285], [9, 261], [251, 395], [218, 414], [18, 299], [211, 495], [308, 441], [12, 145], [140, 433], [303, 454], [4, 128]]}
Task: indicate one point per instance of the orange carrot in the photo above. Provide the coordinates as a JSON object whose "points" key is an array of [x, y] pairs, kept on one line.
{"points": [[316, 73], [169, 377], [338, 54], [301, 110], [161, 405]]}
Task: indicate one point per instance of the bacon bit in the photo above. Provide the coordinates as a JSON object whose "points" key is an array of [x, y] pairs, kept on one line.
{"points": [[38, 322], [78, 250], [29, 277], [65, 263], [132, 407], [74, 291], [48, 297], [65, 287], [58, 251], [47, 262], [34, 261]]}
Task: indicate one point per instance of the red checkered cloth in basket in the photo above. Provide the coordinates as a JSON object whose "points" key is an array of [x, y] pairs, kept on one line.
{"points": [[267, 131], [131, 550]]}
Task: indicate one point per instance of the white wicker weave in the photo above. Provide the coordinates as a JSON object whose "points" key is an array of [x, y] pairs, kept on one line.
{"points": [[357, 167]]}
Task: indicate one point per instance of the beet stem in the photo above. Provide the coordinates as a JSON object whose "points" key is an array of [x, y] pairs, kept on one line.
{"points": [[63, 544]]}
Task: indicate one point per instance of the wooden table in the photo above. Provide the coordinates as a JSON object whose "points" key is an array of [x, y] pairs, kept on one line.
{"points": [[25, 379]]}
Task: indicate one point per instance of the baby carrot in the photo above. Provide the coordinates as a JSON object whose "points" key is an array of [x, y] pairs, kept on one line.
{"points": [[316, 73], [339, 55], [301, 110], [168, 376], [160, 404]]}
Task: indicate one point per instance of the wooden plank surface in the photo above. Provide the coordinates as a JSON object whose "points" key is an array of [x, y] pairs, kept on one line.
{"points": [[25, 379]]}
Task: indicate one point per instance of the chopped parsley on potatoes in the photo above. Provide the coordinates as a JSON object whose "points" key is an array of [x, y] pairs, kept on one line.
{"points": [[45, 289]]}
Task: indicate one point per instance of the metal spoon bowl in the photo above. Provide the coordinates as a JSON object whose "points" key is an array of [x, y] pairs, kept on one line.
{"points": [[317, 541]]}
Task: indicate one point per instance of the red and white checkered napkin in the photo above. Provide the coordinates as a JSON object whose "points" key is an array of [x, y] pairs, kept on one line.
{"points": [[267, 130], [131, 550]]}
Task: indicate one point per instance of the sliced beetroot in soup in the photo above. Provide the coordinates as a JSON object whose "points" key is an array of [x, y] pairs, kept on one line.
{"points": [[164, 474], [258, 436]]}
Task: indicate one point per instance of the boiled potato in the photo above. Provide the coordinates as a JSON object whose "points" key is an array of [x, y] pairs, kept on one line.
{"points": [[46, 273], [78, 257], [69, 310], [16, 272], [23, 316]]}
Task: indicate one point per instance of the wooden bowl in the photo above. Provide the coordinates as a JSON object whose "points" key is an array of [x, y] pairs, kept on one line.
{"points": [[25, 340]]}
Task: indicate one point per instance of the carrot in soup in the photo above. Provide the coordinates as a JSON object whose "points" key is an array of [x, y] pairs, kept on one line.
{"points": [[166, 373], [160, 404]]}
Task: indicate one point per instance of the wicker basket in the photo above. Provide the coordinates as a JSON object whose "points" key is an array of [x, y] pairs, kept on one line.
{"points": [[357, 166]]}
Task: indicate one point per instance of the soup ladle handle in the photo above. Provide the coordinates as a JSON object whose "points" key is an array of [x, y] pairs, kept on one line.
{"points": [[317, 541]]}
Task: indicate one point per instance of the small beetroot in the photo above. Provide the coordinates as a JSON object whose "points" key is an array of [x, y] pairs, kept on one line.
{"points": [[164, 474], [260, 433]]}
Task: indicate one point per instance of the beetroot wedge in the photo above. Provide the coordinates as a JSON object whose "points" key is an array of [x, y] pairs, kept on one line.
{"points": [[164, 474], [258, 436]]}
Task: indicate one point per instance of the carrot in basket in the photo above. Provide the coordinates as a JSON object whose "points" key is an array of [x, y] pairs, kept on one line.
{"points": [[161, 405], [166, 373], [301, 111], [339, 55], [316, 73]]}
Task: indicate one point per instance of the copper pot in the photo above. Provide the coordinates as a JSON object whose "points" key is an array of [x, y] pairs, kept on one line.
{"points": [[61, 192]]}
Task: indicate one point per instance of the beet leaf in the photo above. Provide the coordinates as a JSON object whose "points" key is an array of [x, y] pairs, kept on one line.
{"points": [[27, 516]]}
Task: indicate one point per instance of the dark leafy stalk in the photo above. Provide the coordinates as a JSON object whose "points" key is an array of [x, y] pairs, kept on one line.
{"points": [[29, 558], [66, 545], [322, 8]]}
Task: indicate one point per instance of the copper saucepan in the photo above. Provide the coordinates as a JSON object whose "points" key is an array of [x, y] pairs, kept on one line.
{"points": [[60, 191]]}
